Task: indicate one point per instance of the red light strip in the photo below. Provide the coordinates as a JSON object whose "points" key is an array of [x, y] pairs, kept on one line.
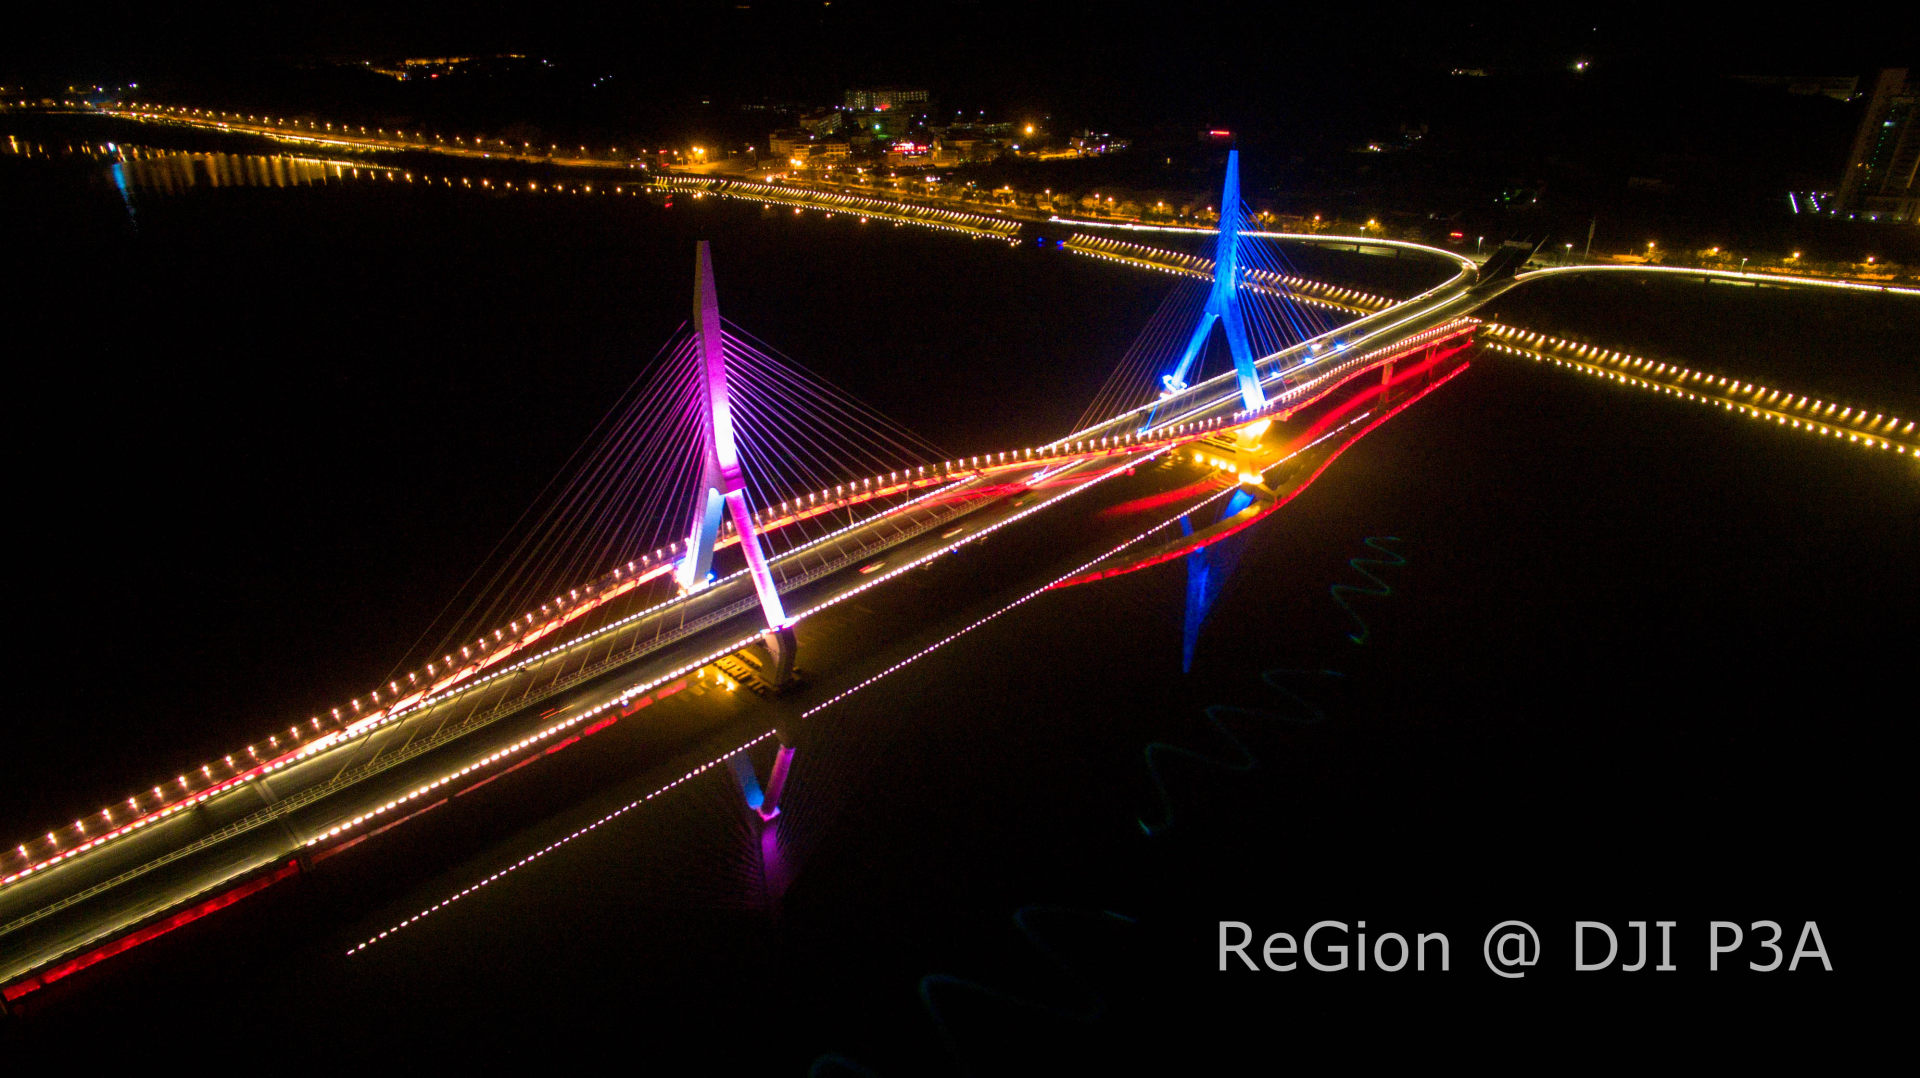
{"points": [[1187, 548], [134, 939]]}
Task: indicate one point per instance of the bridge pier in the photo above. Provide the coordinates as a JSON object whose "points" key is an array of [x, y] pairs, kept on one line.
{"points": [[781, 650]]}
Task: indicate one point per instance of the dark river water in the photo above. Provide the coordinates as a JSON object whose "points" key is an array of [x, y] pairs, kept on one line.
{"points": [[1624, 659]]}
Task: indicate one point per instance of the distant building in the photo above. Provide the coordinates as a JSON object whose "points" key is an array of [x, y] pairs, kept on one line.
{"points": [[432, 67], [884, 98], [1886, 153], [788, 143], [823, 122], [909, 154], [1088, 143], [1838, 87], [963, 148], [885, 125]]}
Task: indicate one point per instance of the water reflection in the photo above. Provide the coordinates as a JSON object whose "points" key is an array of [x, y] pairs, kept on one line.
{"points": [[1208, 567], [146, 169], [142, 169]]}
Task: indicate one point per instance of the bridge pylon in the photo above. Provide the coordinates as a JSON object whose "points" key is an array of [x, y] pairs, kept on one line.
{"points": [[722, 484], [1223, 302]]}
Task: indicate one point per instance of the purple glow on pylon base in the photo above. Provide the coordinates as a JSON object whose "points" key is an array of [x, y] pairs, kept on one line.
{"points": [[769, 806]]}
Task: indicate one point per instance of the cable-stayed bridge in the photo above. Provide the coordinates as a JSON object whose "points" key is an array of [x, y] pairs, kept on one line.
{"points": [[725, 499]]}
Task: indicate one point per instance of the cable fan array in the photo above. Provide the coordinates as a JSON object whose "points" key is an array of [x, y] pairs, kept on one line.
{"points": [[1274, 321], [601, 538], [627, 494]]}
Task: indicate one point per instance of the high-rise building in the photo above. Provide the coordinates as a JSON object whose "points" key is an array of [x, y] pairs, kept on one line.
{"points": [[1886, 153], [884, 98]]}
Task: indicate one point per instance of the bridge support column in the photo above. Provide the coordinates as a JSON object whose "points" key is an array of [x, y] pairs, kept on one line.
{"points": [[781, 649]]}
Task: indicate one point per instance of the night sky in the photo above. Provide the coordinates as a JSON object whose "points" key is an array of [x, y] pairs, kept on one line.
{"points": [[1142, 52]]}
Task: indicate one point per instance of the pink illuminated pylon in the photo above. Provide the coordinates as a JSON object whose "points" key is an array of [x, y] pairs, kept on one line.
{"points": [[721, 481]]}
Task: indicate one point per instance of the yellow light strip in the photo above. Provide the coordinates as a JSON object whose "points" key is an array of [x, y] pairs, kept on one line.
{"points": [[1815, 417]]}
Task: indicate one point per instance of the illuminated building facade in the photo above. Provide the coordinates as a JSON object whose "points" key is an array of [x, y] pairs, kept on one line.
{"points": [[1886, 153], [884, 98]]}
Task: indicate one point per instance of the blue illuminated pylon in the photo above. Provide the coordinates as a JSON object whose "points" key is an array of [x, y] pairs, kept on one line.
{"points": [[1223, 302]]}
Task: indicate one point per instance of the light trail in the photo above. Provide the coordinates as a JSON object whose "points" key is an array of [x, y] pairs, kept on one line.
{"points": [[1141, 536]]}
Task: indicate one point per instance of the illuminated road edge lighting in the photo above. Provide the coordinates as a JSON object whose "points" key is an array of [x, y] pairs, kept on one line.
{"points": [[550, 847], [1767, 405]]}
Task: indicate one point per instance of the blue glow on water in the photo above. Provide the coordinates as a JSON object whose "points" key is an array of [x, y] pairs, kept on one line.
{"points": [[120, 184], [742, 769]]}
